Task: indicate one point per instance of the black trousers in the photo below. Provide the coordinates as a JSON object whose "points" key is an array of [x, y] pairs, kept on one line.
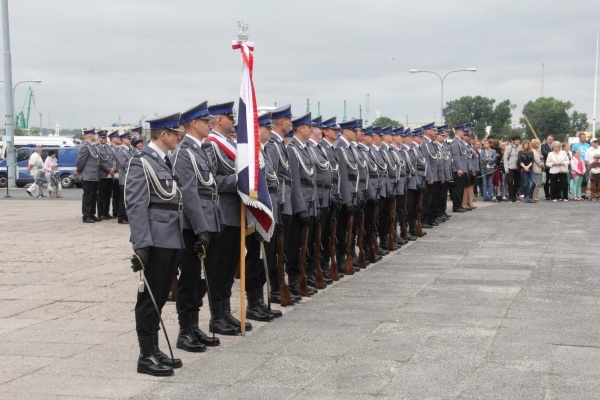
{"points": [[88, 200], [221, 262], [103, 199], [411, 204], [383, 229], [190, 287], [440, 198], [273, 258], [312, 244], [428, 212], [255, 268], [560, 186], [122, 210], [458, 190], [292, 266], [332, 212], [116, 197], [342, 232], [513, 179], [159, 273], [547, 186]]}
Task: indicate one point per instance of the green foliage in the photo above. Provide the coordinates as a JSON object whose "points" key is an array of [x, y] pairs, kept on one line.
{"points": [[480, 111], [385, 121], [579, 123], [548, 116]]}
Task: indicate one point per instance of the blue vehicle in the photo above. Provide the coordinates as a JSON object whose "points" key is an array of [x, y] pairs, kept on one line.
{"points": [[66, 157]]}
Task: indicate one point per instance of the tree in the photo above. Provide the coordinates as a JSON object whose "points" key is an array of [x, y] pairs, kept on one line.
{"points": [[549, 117], [579, 123], [481, 113], [385, 121]]}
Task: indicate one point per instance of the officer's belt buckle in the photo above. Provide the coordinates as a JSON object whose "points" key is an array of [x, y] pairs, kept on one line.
{"points": [[179, 207], [215, 197]]}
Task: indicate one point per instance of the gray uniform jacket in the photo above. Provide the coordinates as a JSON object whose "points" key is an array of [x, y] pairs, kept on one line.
{"points": [[392, 168], [469, 151], [432, 159], [363, 173], [459, 156], [152, 226], [273, 186], [445, 163], [281, 164], [87, 163], [421, 164], [382, 171], [348, 172], [224, 171], [107, 160], [411, 172], [304, 178], [372, 191], [324, 174], [400, 187], [328, 150], [201, 211], [123, 156]]}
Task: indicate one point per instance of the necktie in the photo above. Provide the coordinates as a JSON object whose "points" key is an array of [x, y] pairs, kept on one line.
{"points": [[168, 162]]}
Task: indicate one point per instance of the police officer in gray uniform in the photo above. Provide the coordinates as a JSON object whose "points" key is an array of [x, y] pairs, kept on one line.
{"points": [[385, 204], [87, 167], [124, 153], [421, 168], [330, 136], [115, 142], [363, 181], [432, 177], [304, 198], [281, 118], [348, 185], [221, 265], [108, 165], [400, 187], [460, 169], [202, 219], [374, 136], [411, 183], [444, 171], [154, 208]]}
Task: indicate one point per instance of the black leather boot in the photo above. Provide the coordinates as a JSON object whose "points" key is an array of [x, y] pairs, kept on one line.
{"points": [[218, 323], [265, 307], [162, 357], [186, 340], [253, 310], [147, 361], [230, 318], [200, 335]]}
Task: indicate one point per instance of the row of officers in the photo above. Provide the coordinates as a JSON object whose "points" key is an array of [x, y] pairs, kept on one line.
{"points": [[343, 196]]}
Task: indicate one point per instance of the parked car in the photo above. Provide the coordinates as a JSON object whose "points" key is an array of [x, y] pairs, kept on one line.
{"points": [[66, 157]]}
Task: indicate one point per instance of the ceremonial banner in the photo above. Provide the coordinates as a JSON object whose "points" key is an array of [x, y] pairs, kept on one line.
{"points": [[251, 179]]}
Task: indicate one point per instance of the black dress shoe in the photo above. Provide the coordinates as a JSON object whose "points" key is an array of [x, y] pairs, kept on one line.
{"points": [[123, 221], [162, 357], [327, 280], [148, 362], [459, 210], [88, 221], [426, 226], [186, 340], [96, 218], [401, 241], [257, 314], [411, 238], [223, 327], [29, 193], [201, 336]]}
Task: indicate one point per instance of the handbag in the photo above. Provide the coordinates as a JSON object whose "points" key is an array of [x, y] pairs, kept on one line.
{"points": [[563, 169]]}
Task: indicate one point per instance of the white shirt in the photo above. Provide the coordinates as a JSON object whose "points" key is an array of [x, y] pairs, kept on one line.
{"points": [[562, 158], [161, 154], [589, 154]]}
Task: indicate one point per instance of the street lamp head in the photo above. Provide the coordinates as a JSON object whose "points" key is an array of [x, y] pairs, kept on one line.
{"points": [[414, 71], [471, 69], [37, 81]]}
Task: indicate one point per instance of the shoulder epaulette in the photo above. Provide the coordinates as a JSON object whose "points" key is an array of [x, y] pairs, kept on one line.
{"points": [[139, 153]]}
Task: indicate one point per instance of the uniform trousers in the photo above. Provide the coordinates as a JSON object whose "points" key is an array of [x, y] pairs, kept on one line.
{"points": [[221, 263], [411, 204], [88, 200], [255, 269], [326, 217], [292, 266], [312, 244], [104, 193], [190, 287], [272, 251], [384, 217], [370, 222], [342, 232], [458, 189], [441, 198], [116, 198], [428, 196], [122, 209], [159, 271]]}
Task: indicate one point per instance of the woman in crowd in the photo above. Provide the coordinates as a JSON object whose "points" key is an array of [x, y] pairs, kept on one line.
{"points": [[498, 182], [49, 163], [558, 163], [526, 161], [565, 147], [577, 173], [488, 170], [538, 167]]}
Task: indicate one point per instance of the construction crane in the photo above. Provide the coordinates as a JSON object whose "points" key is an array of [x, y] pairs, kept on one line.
{"points": [[22, 119]]}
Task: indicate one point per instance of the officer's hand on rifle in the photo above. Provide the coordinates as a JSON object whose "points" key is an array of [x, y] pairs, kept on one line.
{"points": [[303, 217], [201, 244], [258, 237], [140, 258], [362, 203], [349, 208], [372, 202]]}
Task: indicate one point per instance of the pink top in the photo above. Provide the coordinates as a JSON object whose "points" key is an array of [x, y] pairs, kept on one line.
{"points": [[577, 166], [49, 163]]}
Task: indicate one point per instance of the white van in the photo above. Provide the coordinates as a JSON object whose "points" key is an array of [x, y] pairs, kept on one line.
{"points": [[32, 141]]}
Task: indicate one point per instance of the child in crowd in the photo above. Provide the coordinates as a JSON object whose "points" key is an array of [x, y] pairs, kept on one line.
{"points": [[595, 178], [55, 182]]}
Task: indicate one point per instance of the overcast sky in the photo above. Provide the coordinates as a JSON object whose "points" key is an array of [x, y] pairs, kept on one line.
{"points": [[101, 59]]}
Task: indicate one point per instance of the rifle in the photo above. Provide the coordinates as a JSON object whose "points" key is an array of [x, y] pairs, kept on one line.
{"points": [[303, 287], [349, 267], [372, 234], [362, 262], [283, 288], [403, 214], [391, 241], [333, 268], [319, 281], [419, 211]]}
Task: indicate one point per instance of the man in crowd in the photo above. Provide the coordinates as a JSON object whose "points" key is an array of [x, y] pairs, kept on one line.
{"points": [[35, 165], [546, 149], [124, 153], [511, 157], [87, 166]]}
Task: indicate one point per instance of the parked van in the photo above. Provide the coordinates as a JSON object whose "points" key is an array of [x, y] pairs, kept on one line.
{"points": [[66, 156], [22, 141]]}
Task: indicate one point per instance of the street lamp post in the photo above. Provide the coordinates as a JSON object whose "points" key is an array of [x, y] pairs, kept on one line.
{"points": [[442, 79]]}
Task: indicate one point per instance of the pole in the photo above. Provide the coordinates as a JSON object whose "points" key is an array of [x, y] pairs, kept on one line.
{"points": [[41, 133], [442, 105], [243, 269], [8, 99], [595, 88], [542, 87]]}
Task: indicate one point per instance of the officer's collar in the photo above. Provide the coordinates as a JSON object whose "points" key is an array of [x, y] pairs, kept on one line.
{"points": [[312, 141], [374, 147], [384, 144], [193, 139], [276, 136], [363, 145], [161, 154], [300, 144], [345, 141]]}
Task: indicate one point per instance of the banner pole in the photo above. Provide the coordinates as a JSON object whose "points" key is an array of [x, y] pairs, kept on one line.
{"points": [[243, 269]]}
